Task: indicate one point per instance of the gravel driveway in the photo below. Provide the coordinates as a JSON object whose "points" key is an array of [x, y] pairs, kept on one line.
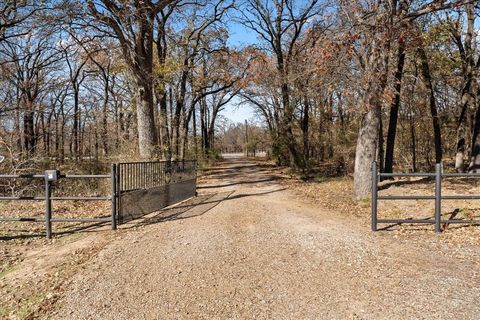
{"points": [[252, 250]]}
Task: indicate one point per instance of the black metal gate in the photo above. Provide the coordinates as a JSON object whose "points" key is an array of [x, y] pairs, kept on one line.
{"points": [[146, 187], [137, 188]]}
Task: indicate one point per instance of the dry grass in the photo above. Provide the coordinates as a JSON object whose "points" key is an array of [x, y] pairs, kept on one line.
{"points": [[336, 194], [23, 244], [20, 240]]}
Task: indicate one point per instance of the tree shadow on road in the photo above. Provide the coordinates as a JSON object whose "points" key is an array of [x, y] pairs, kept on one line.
{"points": [[194, 207], [89, 227], [270, 179]]}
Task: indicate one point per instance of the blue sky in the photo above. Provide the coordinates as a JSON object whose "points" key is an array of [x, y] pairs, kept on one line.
{"points": [[239, 37], [238, 113]]}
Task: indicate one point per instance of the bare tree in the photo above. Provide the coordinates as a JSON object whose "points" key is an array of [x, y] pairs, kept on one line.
{"points": [[14, 13], [133, 24], [374, 23], [280, 25], [32, 59]]}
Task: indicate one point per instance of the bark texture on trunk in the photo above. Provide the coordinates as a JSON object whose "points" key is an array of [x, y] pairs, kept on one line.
{"points": [[145, 121], [394, 108], [413, 145], [475, 157], [29, 128], [164, 133], [287, 139], [366, 152], [305, 130], [468, 100], [433, 106], [474, 165], [376, 76]]}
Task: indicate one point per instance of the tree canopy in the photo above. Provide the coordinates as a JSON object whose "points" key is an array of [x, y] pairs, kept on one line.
{"points": [[342, 83]]}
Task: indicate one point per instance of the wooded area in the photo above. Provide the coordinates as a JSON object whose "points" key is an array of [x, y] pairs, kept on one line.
{"points": [[338, 82]]}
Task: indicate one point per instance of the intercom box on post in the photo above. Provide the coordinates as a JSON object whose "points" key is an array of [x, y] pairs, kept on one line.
{"points": [[52, 175]]}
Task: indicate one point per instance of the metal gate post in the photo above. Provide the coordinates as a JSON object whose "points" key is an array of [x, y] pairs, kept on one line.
{"points": [[438, 196], [48, 207], [114, 196], [374, 195], [195, 173]]}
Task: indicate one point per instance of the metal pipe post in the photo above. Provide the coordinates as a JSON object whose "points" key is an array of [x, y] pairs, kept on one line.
{"points": [[48, 207], [438, 196], [195, 174], [114, 196], [374, 195]]}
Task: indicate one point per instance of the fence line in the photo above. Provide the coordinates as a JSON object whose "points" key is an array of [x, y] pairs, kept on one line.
{"points": [[136, 187], [50, 177], [437, 197]]}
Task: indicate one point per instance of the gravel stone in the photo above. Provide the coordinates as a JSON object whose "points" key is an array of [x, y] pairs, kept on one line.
{"points": [[253, 250]]}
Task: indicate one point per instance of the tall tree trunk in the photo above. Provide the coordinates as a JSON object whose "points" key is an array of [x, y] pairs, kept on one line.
{"points": [[48, 134], [17, 131], [161, 92], [188, 118], [147, 136], [96, 138], [164, 132], [380, 149], [394, 108], [57, 138], [203, 125], [366, 151], [466, 52], [29, 128], [195, 144], [117, 126], [475, 155], [367, 142], [210, 137], [413, 144], [62, 140], [433, 106], [44, 135], [136, 20], [473, 93], [82, 139], [287, 137], [305, 130], [76, 122], [105, 118], [179, 108], [246, 138]]}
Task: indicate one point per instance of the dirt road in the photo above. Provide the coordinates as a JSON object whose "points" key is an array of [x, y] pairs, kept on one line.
{"points": [[252, 250]]}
